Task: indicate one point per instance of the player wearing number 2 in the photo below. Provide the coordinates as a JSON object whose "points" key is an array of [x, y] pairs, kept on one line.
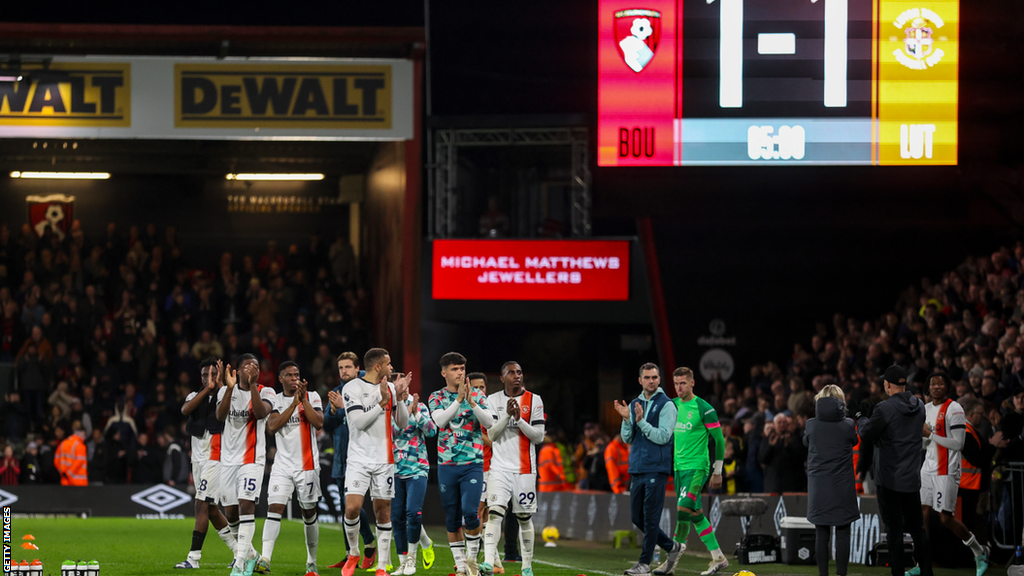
{"points": [[513, 471], [295, 419], [243, 452], [372, 403], [944, 431], [695, 421]]}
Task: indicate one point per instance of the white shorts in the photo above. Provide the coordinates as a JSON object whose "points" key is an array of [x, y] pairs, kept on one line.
{"points": [[241, 482], [503, 485], [483, 493], [939, 492], [379, 479], [306, 484], [206, 475]]}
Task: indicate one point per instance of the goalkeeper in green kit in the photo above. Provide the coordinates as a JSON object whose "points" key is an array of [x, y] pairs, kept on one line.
{"points": [[695, 421]]}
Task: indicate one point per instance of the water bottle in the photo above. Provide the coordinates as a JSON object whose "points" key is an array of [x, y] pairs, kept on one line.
{"points": [[81, 569], [67, 568], [1018, 560], [36, 568], [94, 568]]}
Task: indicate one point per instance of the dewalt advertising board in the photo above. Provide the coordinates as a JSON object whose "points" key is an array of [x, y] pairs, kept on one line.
{"points": [[207, 98]]}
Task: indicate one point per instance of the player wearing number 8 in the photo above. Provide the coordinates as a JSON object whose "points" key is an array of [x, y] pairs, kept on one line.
{"points": [[295, 418], [513, 473], [243, 452]]}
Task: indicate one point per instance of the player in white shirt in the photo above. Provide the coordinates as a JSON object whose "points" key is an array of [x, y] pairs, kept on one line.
{"points": [[371, 403], [243, 453], [295, 419], [944, 430], [205, 429], [478, 380], [518, 429]]}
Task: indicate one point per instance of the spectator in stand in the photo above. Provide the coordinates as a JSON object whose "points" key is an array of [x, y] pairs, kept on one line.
{"points": [[594, 465], [10, 468], [616, 462], [782, 454], [586, 447]]}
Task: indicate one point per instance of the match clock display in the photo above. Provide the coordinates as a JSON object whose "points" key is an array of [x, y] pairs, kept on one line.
{"points": [[710, 82]]}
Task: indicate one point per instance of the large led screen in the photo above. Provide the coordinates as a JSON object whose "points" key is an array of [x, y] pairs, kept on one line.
{"points": [[706, 82], [570, 270]]}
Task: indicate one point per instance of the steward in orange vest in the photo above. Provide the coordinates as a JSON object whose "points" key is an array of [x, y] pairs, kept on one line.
{"points": [[616, 461], [70, 459]]}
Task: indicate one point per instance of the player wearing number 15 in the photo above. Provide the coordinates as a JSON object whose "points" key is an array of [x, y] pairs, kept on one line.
{"points": [[372, 404], [295, 420], [513, 471], [695, 421], [243, 452]]}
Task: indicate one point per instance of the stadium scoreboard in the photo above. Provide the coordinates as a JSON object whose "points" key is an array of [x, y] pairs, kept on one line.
{"points": [[713, 82]]}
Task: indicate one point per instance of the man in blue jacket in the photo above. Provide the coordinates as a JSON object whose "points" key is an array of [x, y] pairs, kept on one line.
{"points": [[647, 423], [334, 422]]}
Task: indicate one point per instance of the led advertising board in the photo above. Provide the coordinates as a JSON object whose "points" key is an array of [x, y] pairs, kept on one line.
{"points": [[568, 270], [711, 82]]}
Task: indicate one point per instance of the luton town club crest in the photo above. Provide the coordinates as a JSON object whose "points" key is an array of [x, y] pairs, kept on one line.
{"points": [[920, 28], [637, 32]]}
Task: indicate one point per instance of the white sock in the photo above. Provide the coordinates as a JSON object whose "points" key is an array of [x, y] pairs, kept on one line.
{"points": [[459, 554], [352, 535], [412, 552], [271, 530], [425, 541], [975, 546], [717, 555], [383, 545], [195, 555], [472, 548], [526, 540], [246, 529], [228, 537], [492, 533], [233, 527], [312, 538]]}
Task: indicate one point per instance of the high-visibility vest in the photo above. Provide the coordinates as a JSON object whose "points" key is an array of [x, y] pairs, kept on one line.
{"points": [[616, 462], [550, 469], [856, 457], [970, 473], [730, 484], [70, 460]]}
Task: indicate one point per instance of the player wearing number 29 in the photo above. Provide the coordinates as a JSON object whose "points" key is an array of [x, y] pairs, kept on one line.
{"points": [[372, 403], [461, 414], [295, 419], [695, 421], [243, 409], [513, 471]]}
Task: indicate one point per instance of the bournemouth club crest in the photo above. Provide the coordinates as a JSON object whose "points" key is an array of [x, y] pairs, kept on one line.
{"points": [[637, 32], [55, 212]]}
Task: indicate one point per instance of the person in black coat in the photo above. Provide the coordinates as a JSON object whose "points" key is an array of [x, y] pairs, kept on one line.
{"points": [[831, 479], [894, 428]]}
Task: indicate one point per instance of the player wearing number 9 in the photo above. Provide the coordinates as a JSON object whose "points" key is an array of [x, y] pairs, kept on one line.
{"points": [[243, 452], [297, 415]]}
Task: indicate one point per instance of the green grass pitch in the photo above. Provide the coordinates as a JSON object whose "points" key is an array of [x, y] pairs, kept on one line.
{"points": [[126, 546]]}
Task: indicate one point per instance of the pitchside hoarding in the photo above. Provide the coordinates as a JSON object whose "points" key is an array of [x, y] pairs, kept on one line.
{"points": [[565, 270]]}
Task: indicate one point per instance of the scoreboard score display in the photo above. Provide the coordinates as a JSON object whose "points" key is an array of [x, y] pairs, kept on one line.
{"points": [[834, 82]]}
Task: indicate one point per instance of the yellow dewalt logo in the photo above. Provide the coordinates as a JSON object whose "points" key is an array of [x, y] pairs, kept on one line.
{"points": [[282, 96], [69, 94]]}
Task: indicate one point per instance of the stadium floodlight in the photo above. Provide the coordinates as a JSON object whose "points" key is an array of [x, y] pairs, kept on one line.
{"points": [[61, 175], [273, 177]]}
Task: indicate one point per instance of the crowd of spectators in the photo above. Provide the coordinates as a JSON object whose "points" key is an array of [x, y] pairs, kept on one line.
{"points": [[106, 334]]}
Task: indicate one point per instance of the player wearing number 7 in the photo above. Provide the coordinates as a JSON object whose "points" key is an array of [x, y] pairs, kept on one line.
{"points": [[695, 421], [295, 419], [513, 472], [243, 452], [372, 403]]}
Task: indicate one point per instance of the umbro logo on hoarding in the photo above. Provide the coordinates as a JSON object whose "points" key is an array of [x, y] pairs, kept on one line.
{"points": [[161, 498], [6, 498]]}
